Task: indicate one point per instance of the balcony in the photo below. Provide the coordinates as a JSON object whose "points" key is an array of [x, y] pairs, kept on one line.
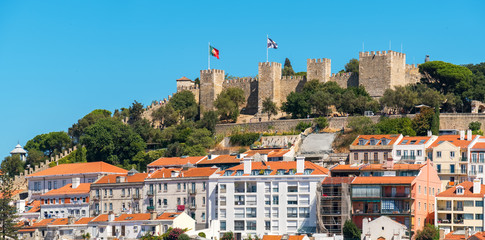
{"points": [[96, 198], [464, 159], [369, 211], [238, 203], [444, 208], [458, 221], [192, 206], [192, 191], [458, 209], [396, 211], [150, 193], [452, 172], [472, 173], [136, 196], [396, 195], [408, 157], [151, 208]]}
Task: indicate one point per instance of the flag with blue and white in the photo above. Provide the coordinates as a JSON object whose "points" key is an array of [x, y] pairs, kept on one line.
{"points": [[272, 44]]}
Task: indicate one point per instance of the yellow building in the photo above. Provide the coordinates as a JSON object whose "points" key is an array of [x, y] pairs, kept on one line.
{"points": [[461, 207]]}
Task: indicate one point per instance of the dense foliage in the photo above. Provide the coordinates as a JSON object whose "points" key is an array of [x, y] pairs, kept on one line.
{"points": [[228, 103], [287, 68], [8, 211], [350, 230], [429, 232], [244, 139]]}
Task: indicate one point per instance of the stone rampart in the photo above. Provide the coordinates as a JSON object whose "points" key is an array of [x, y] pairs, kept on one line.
{"points": [[291, 84], [250, 89], [345, 80]]}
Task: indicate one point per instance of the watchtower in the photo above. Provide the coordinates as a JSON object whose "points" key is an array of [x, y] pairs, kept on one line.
{"points": [[381, 70], [319, 69], [210, 86], [269, 83]]}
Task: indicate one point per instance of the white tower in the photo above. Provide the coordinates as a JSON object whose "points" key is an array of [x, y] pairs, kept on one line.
{"points": [[19, 150]]}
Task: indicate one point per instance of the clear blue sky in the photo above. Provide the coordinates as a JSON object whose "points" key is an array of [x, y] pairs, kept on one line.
{"points": [[59, 60]]}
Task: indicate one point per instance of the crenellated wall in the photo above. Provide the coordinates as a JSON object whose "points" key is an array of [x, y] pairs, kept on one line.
{"points": [[269, 74], [345, 79], [250, 88], [291, 84]]}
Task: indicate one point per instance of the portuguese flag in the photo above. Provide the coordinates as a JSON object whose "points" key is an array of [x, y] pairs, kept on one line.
{"points": [[214, 52]]}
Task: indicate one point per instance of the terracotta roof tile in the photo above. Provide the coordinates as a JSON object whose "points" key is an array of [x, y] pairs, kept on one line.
{"points": [[137, 177], [84, 220], [383, 180], [337, 180], [479, 145], [168, 215], [191, 172], [83, 188], [101, 218], [35, 206], [413, 140], [453, 139], [175, 161], [453, 236], [133, 217], [278, 237], [222, 159], [479, 235], [279, 165], [467, 191], [183, 79], [79, 168], [271, 152], [375, 167], [59, 221], [392, 137]]}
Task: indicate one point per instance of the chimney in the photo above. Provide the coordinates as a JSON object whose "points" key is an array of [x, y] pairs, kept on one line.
{"points": [[111, 217], [153, 215], [469, 135], [477, 185], [247, 165], [76, 182], [389, 163], [300, 164], [462, 134], [430, 133]]}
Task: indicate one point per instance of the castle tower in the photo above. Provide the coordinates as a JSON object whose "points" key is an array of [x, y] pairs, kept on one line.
{"points": [[184, 83], [381, 70], [319, 69], [269, 83], [210, 86]]}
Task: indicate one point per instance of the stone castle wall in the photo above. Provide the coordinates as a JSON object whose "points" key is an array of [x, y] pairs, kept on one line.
{"points": [[269, 74], [375, 72], [210, 86], [319, 69], [291, 84], [412, 74], [345, 79], [250, 89]]}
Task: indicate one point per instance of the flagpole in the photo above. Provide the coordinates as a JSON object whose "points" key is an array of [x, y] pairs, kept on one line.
{"points": [[267, 37], [209, 55]]}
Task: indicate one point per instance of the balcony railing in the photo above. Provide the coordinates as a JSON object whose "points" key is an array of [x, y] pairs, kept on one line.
{"points": [[457, 220], [397, 195], [151, 208], [444, 208], [408, 157], [192, 191], [192, 206], [458, 209], [136, 196], [370, 211], [396, 211], [472, 173], [463, 159], [239, 203], [150, 193]]}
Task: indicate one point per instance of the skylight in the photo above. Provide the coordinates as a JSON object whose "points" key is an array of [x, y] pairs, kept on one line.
{"points": [[422, 141], [405, 141]]}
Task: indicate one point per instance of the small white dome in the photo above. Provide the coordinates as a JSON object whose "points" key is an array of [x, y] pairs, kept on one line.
{"points": [[18, 150]]}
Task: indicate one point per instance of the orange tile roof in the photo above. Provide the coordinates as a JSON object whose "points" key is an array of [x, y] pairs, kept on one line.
{"points": [[168, 215], [479, 145], [133, 217], [14, 192], [279, 165], [79, 168], [416, 139], [375, 167], [191, 172], [59, 221], [453, 139], [137, 177], [222, 159], [83, 188], [479, 235], [467, 191], [383, 180], [392, 137], [453, 236], [101, 218], [183, 78], [35, 206], [84, 220], [337, 180], [271, 152], [175, 161], [278, 237]]}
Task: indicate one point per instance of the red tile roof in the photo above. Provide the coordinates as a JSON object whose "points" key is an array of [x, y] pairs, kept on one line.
{"points": [[83, 188], [337, 180], [101, 218], [35, 206], [479, 235], [183, 79], [175, 161], [467, 191], [133, 217], [453, 139], [137, 177], [84, 220], [376, 167], [453, 236], [271, 152], [168, 215], [279, 165], [79, 168], [278, 237], [222, 159], [479, 145], [191, 172], [383, 180], [392, 137]]}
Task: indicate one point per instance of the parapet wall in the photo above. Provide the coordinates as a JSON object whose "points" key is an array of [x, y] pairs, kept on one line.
{"points": [[345, 80], [250, 89]]}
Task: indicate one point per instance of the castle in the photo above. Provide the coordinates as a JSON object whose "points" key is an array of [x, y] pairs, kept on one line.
{"points": [[378, 71]]}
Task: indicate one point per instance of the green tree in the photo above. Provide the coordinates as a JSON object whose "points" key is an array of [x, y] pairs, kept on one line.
{"points": [[49, 143], [78, 128], [435, 122], [269, 107], [296, 104], [352, 66], [111, 141], [422, 121], [350, 230], [446, 77], [320, 102], [287, 68], [361, 125], [402, 126], [401, 99], [12, 165], [35, 157], [184, 103], [166, 115], [209, 121], [429, 232], [228, 103], [475, 126], [136, 110], [321, 122], [228, 236], [8, 214]]}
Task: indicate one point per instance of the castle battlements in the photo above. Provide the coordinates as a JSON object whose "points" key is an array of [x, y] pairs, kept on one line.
{"points": [[205, 71], [344, 74], [381, 53], [240, 80], [268, 64], [193, 87], [412, 66], [318, 60], [292, 78]]}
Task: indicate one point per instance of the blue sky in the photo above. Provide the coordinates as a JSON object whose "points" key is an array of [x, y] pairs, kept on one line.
{"points": [[59, 60]]}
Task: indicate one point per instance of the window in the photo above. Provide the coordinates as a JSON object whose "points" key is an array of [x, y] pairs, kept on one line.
{"points": [[55, 184], [308, 171], [479, 203], [480, 168], [362, 141], [185, 187], [468, 216], [419, 153], [165, 187], [398, 153], [159, 187], [228, 173], [292, 188], [276, 200], [474, 157], [292, 200], [165, 202], [111, 192], [412, 153], [179, 187], [376, 156], [111, 206], [356, 156], [223, 225], [239, 225], [267, 225], [223, 213], [304, 212], [251, 212], [459, 190], [203, 200], [240, 173], [250, 225], [49, 185], [438, 154], [452, 154], [123, 192], [178, 201], [405, 141], [479, 216], [292, 212]]}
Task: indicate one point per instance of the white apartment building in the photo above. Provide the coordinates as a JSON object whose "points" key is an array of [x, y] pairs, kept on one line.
{"points": [[61, 175], [178, 190], [261, 198], [477, 158], [412, 149], [71, 200]]}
